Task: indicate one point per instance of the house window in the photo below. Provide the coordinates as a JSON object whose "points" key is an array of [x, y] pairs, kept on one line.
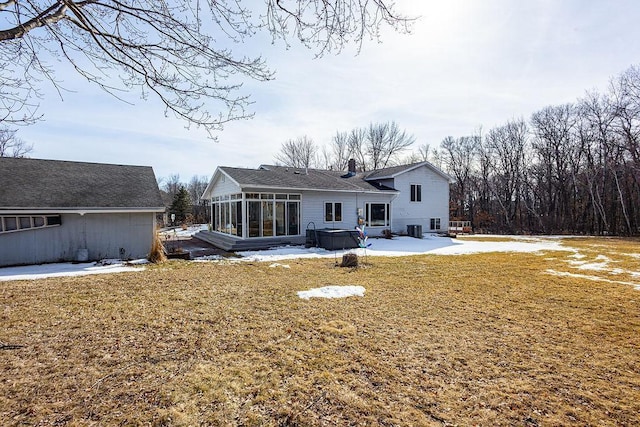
{"points": [[416, 192], [21, 223], [332, 212], [377, 214], [434, 224], [267, 214]]}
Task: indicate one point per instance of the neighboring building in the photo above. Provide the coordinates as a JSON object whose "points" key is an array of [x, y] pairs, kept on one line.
{"points": [[53, 211], [255, 208]]}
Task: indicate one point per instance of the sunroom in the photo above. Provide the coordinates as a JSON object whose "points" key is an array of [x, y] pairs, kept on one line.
{"points": [[265, 214]]}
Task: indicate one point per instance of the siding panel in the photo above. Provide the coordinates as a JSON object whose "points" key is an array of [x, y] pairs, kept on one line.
{"points": [[102, 234], [434, 204]]}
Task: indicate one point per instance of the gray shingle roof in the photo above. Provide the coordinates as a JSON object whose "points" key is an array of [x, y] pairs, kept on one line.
{"points": [[395, 170], [283, 177], [391, 171], [45, 184]]}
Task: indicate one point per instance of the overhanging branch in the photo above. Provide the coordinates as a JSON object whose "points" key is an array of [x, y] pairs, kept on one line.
{"points": [[51, 15]]}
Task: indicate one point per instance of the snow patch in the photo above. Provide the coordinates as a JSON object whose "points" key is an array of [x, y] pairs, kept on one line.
{"points": [[276, 264], [404, 245], [594, 278], [333, 292], [208, 258], [43, 271]]}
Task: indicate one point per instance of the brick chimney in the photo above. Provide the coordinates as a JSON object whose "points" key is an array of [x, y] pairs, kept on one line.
{"points": [[352, 165]]}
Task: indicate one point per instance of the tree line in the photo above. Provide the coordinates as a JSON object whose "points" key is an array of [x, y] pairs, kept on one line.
{"points": [[571, 168], [183, 199], [375, 146]]}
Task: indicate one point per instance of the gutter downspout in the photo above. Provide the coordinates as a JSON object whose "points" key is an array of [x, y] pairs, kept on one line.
{"points": [[395, 196]]}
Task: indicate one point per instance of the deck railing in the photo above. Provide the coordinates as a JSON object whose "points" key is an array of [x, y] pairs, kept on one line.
{"points": [[460, 227]]}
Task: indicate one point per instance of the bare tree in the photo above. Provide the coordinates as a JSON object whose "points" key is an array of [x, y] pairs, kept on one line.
{"points": [[411, 157], [175, 51], [504, 149], [425, 152], [298, 153], [11, 145], [196, 188], [385, 142], [172, 185], [377, 146], [459, 157], [557, 159], [625, 93], [625, 102], [357, 148], [595, 130], [340, 152]]}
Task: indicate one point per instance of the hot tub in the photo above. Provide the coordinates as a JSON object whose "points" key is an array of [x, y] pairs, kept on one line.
{"points": [[332, 239]]}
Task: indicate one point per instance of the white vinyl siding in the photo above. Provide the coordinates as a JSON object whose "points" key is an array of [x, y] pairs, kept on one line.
{"points": [[106, 235], [313, 207], [434, 189], [224, 187]]}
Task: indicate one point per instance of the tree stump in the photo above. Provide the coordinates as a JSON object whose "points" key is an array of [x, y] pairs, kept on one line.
{"points": [[349, 260]]}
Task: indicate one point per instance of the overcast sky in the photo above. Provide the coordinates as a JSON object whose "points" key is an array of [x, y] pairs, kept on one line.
{"points": [[466, 64]]}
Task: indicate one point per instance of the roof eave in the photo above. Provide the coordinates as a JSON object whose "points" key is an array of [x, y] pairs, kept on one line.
{"points": [[77, 210], [257, 187], [206, 194]]}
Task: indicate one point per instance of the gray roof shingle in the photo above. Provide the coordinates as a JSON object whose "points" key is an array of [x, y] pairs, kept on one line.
{"points": [[45, 184], [283, 177]]}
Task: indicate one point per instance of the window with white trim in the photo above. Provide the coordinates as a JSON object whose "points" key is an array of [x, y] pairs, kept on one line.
{"points": [[434, 224], [416, 192], [377, 214], [332, 212]]}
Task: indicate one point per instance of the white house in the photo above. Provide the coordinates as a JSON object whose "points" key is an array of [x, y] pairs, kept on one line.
{"points": [[53, 211], [271, 205]]}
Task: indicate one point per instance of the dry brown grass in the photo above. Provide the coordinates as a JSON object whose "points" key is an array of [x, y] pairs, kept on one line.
{"points": [[157, 255], [489, 339]]}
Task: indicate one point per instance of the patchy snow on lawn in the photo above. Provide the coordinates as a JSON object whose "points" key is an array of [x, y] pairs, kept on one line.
{"points": [[175, 232], [636, 286], [398, 246], [404, 245], [277, 264], [42, 271], [333, 292]]}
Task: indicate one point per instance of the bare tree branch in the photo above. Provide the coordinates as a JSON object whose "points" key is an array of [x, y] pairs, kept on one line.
{"points": [[177, 51], [11, 145], [298, 153]]}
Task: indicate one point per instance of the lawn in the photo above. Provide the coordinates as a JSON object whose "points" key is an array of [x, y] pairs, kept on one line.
{"points": [[484, 339]]}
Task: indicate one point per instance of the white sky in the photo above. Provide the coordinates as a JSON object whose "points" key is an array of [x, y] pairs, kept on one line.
{"points": [[467, 64]]}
